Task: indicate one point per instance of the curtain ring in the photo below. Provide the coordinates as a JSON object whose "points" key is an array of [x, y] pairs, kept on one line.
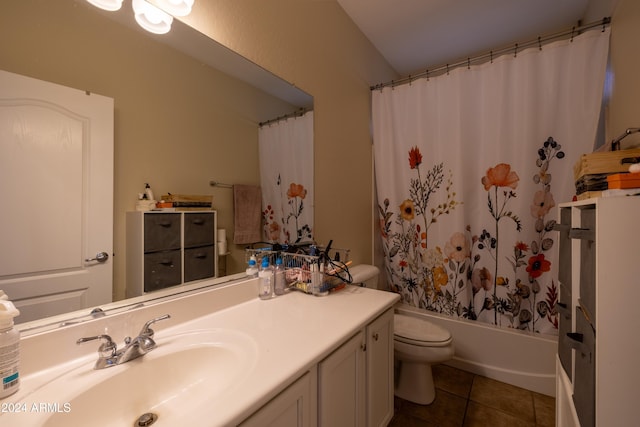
{"points": [[491, 56], [604, 23], [515, 51], [427, 73], [539, 43], [468, 63], [572, 31], [447, 69]]}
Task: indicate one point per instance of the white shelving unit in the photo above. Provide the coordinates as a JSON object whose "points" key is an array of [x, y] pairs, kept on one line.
{"points": [[599, 373]]}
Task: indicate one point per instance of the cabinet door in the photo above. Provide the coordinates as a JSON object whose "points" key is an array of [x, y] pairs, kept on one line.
{"points": [[199, 229], [341, 382], [291, 408], [380, 370]]}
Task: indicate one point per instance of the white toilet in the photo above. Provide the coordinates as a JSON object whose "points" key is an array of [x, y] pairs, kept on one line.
{"points": [[418, 344]]}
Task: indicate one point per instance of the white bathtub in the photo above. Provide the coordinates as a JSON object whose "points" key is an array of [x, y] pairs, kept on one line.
{"points": [[519, 358]]}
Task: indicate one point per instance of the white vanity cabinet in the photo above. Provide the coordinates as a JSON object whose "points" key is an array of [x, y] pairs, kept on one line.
{"points": [[597, 364], [353, 386], [166, 249], [380, 370], [355, 382], [294, 407], [342, 385]]}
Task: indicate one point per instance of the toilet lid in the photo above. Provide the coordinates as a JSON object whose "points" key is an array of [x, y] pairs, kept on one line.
{"points": [[416, 329]]}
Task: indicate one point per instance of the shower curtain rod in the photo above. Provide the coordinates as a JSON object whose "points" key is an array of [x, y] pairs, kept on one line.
{"points": [[491, 55], [298, 113]]}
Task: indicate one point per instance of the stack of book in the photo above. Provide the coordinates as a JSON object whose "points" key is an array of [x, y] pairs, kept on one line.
{"points": [[183, 202], [591, 172]]}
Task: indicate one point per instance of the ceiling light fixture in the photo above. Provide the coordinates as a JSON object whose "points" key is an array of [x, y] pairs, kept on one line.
{"points": [[110, 5], [151, 18], [154, 19], [176, 7]]}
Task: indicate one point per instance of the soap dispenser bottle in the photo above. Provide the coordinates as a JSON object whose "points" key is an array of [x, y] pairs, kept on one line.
{"points": [[279, 283], [265, 278], [148, 192], [252, 268], [9, 348]]}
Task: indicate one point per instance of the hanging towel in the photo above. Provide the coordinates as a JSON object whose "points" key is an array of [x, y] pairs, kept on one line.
{"points": [[247, 214]]}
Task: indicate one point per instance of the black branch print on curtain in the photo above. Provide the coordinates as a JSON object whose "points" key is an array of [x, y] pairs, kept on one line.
{"points": [[463, 279]]}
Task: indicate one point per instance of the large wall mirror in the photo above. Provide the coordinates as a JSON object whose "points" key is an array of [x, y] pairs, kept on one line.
{"points": [[187, 109]]}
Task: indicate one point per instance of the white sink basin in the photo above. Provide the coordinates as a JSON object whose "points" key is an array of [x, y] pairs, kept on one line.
{"points": [[178, 378]]}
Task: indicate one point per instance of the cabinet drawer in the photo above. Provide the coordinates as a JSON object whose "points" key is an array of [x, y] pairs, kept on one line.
{"points": [[588, 262], [198, 229], [161, 270], [565, 310], [161, 231], [584, 383], [199, 263]]}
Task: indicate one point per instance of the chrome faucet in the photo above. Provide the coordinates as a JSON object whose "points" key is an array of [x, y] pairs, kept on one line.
{"points": [[108, 353]]}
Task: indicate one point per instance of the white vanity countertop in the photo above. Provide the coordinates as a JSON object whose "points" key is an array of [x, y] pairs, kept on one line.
{"points": [[292, 333]]}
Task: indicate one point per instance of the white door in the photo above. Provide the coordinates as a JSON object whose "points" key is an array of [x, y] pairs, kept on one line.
{"points": [[56, 182]]}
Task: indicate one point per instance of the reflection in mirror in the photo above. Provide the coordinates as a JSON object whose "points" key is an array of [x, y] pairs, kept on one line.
{"points": [[184, 112]]}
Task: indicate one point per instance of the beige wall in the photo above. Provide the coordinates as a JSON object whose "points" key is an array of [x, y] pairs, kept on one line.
{"points": [[624, 107], [314, 45], [178, 124]]}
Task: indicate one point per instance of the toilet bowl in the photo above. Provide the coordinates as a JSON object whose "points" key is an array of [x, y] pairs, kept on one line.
{"points": [[417, 344]]}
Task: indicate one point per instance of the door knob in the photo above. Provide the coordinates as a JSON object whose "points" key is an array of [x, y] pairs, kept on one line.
{"points": [[100, 257]]}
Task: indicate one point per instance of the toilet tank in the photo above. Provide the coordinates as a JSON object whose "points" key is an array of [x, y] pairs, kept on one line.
{"points": [[365, 275]]}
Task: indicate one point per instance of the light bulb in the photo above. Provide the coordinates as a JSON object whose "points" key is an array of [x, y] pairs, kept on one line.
{"points": [[176, 7], [151, 18], [110, 5]]}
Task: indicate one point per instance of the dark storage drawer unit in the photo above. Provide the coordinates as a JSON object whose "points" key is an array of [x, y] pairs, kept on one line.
{"points": [[166, 249], [199, 250], [162, 232], [565, 307]]}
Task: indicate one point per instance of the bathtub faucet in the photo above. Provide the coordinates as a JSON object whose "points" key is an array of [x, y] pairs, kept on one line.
{"points": [[108, 353]]}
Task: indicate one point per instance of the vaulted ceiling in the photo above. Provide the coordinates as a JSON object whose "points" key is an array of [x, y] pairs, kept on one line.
{"points": [[414, 35]]}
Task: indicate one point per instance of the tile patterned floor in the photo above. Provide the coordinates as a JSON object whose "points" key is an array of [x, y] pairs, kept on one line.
{"points": [[464, 399]]}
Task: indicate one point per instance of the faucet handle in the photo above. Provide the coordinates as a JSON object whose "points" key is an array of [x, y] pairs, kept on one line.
{"points": [[146, 329], [106, 349]]}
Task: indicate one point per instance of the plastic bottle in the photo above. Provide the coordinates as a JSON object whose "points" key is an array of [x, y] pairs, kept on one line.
{"points": [[316, 280], [148, 191], [9, 348], [279, 279], [265, 277], [252, 269]]}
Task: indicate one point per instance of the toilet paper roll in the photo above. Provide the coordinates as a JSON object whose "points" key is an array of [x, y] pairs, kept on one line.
{"points": [[222, 247], [222, 234]]}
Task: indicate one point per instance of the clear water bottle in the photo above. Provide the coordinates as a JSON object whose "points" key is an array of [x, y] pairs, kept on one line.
{"points": [[265, 278], [279, 279], [252, 269]]}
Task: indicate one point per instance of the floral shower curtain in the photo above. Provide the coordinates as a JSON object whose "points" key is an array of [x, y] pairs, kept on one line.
{"points": [[286, 178], [469, 168]]}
